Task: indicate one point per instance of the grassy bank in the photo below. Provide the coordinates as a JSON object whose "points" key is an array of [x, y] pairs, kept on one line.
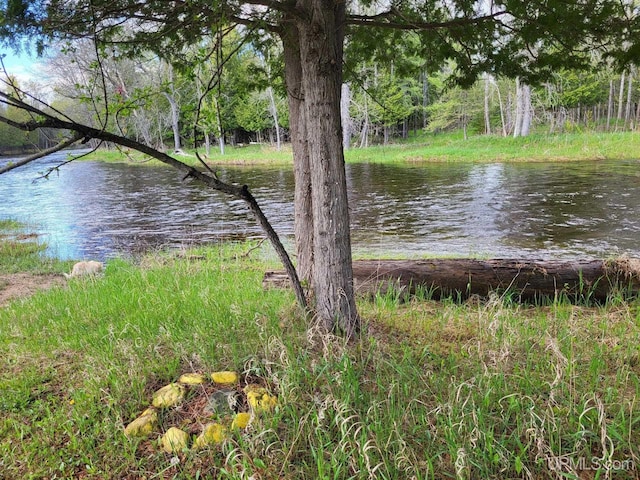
{"points": [[452, 147], [431, 391], [444, 147], [21, 251]]}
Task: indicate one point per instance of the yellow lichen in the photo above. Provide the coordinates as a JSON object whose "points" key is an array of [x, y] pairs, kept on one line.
{"points": [[168, 396], [241, 420], [225, 378], [175, 440], [212, 433]]}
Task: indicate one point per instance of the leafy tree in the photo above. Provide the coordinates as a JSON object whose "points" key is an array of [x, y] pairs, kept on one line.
{"points": [[252, 112], [12, 140], [529, 40], [394, 102], [580, 88]]}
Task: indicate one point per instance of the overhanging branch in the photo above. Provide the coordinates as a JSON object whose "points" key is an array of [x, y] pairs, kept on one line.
{"points": [[62, 145], [236, 191], [395, 21]]}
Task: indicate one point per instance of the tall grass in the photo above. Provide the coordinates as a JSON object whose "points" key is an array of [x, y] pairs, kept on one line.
{"points": [[432, 390]]}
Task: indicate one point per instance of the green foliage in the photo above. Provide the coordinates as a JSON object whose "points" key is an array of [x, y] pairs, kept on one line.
{"points": [[252, 113], [573, 89], [11, 138], [455, 108], [393, 100]]}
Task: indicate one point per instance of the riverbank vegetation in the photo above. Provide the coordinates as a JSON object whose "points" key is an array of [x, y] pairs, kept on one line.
{"points": [[442, 147], [382, 104], [432, 390], [21, 251]]}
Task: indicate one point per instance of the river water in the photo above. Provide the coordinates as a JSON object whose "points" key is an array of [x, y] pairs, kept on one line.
{"points": [[544, 210]]}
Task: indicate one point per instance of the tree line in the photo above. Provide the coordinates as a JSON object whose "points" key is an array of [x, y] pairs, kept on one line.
{"points": [[157, 104]]}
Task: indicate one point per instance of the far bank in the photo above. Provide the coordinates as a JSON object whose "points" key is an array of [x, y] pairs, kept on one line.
{"points": [[442, 147]]}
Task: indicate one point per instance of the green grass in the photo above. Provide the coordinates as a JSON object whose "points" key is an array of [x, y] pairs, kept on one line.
{"points": [[452, 147], [247, 155], [444, 147], [433, 390], [21, 250]]}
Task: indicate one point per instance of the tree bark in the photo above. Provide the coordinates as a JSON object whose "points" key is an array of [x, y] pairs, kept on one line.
{"points": [[527, 111], [303, 215], [321, 35], [364, 134], [627, 110], [175, 121], [175, 112], [425, 95], [523, 109], [518, 116], [521, 280]]}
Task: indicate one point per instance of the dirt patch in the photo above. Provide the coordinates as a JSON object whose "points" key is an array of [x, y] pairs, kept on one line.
{"points": [[19, 285]]}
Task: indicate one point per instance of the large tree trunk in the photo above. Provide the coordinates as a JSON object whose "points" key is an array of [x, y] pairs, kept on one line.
{"points": [[303, 217], [321, 34], [521, 280]]}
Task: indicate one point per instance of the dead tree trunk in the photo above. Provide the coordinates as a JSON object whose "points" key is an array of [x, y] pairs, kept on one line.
{"points": [[522, 280]]}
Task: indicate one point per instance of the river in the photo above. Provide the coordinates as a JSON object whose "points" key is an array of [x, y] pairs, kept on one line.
{"points": [[95, 210]]}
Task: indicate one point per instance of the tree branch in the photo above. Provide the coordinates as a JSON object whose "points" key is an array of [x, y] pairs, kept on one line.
{"points": [[408, 24], [240, 192], [63, 144]]}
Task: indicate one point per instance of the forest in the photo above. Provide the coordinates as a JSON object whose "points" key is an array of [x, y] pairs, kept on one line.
{"points": [[162, 105]]}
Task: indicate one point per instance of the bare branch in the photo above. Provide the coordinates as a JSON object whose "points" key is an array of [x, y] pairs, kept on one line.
{"points": [[236, 191], [63, 144]]}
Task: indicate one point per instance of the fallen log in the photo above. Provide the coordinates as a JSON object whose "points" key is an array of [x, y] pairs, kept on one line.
{"points": [[522, 280]]}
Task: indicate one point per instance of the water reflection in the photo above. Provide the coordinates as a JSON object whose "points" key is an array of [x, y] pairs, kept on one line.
{"points": [[95, 210]]}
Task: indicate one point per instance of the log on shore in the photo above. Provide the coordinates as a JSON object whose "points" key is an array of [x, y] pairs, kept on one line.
{"points": [[522, 280]]}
